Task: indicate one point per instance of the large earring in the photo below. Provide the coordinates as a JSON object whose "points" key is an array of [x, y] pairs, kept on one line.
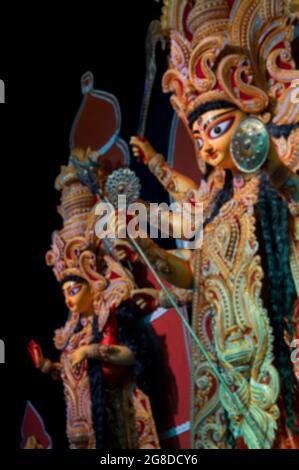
{"points": [[249, 146]]}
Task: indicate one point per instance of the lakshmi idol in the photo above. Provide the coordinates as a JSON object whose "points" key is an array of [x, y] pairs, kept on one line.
{"points": [[101, 349], [232, 75]]}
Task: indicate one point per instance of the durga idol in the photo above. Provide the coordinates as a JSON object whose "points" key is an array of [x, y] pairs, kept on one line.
{"points": [[230, 74]]}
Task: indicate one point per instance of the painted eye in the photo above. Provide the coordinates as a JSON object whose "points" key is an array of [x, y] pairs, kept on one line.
{"points": [[219, 129], [199, 143], [75, 290]]}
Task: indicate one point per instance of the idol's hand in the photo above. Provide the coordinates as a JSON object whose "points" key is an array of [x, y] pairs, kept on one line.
{"points": [[91, 351], [142, 148], [281, 176], [124, 251], [117, 354], [104, 351], [147, 299], [79, 355], [36, 353], [273, 163]]}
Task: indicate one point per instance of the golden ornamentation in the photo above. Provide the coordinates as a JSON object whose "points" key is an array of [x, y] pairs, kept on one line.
{"points": [[288, 150], [172, 15], [76, 251], [230, 291], [242, 56]]}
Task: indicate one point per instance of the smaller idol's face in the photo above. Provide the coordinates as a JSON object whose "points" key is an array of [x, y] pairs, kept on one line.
{"points": [[78, 297], [213, 132]]}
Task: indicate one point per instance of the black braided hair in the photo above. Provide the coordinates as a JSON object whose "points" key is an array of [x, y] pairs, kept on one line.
{"points": [[273, 215], [96, 381], [223, 196], [283, 130], [98, 392], [97, 389], [133, 334]]}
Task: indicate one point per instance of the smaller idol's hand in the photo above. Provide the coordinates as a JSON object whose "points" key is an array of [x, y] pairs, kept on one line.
{"points": [[124, 251], [91, 351], [105, 352], [116, 354], [36, 353], [79, 355], [273, 163], [142, 148], [281, 176], [147, 299]]}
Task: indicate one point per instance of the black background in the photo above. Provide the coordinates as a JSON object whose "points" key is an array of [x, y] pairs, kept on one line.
{"points": [[43, 95]]}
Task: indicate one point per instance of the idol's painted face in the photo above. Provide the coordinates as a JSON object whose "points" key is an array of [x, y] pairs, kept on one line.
{"points": [[78, 297], [212, 133]]}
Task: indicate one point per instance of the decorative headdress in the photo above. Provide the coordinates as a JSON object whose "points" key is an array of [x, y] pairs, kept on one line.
{"points": [[76, 199], [239, 53], [75, 250]]}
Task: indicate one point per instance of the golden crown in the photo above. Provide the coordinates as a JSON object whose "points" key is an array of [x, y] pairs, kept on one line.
{"points": [[234, 51], [76, 251]]}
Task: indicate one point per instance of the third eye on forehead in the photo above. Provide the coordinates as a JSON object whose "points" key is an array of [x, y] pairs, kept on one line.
{"points": [[213, 118], [203, 125], [70, 285]]}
